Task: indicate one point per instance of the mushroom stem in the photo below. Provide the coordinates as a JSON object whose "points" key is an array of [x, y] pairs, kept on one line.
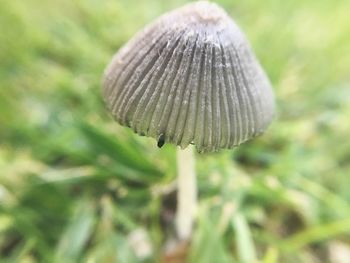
{"points": [[186, 193]]}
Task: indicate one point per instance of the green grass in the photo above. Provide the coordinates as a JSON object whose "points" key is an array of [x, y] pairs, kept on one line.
{"points": [[74, 185]]}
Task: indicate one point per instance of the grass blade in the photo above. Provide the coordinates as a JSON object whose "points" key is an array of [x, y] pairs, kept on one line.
{"points": [[244, 241]]}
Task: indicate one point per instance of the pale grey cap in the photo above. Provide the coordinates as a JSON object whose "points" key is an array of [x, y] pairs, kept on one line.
{"points": [[190, 77]]}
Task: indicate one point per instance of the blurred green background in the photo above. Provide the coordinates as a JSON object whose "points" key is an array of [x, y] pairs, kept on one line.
{"points": [[77, 187]]}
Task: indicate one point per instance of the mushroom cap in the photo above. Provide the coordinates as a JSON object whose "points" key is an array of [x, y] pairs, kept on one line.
{"points": [[190, 77]]}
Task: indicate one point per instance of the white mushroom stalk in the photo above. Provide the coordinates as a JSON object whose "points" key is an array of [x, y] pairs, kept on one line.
{"points": [[186, 193]]}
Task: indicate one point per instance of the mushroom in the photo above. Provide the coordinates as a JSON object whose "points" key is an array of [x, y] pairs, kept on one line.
{"points": [[190, 77]]}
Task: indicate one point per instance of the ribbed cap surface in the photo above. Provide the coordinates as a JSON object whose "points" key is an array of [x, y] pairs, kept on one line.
{"points": [[190, 77]]}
